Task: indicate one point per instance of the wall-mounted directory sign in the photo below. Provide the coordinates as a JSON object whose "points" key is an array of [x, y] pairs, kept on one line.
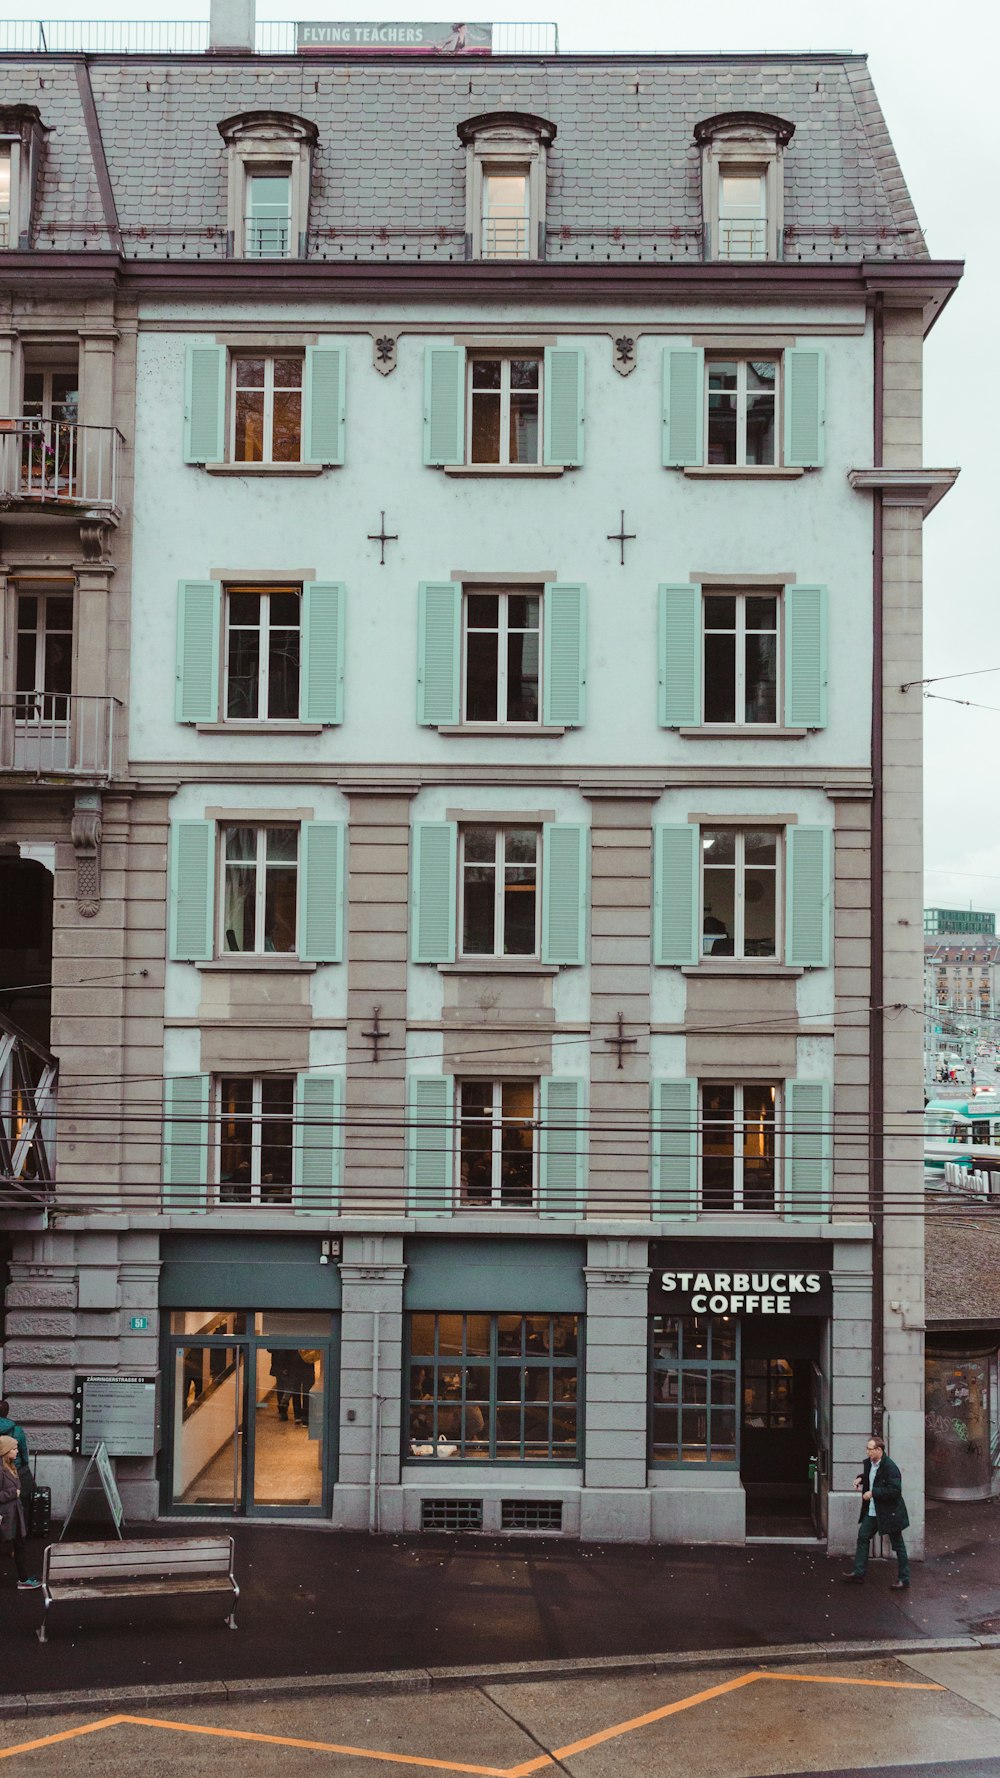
{"points": [[119, 1412]]}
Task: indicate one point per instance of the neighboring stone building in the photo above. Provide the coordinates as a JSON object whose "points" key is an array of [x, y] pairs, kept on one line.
{"points": [[490, 1117], [962, 977], [963, 1353]]}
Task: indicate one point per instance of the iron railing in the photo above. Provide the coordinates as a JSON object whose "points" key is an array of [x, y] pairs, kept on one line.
{"points": [[4, 231], [266, 238], [28, 1075], [58, 462], [56, 735], [742, 240], [273, 37], [505, 237]]}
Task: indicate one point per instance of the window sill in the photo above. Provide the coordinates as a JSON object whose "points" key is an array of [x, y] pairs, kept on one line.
{"points": [[268, 964], [714, 731], [503, 731], [511, 469], [267, 468], [740, 966], [498, 966], [754, 472], [260, 728]]}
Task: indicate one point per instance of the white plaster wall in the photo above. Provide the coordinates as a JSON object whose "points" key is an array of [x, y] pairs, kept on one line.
{"points": [[188, 523]]}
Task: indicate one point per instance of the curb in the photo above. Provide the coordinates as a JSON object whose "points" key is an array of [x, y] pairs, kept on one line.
{"points": [[430, 1679]]}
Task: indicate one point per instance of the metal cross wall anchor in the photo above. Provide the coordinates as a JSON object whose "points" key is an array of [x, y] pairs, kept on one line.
{"points": [[621, 536], [621, 1040], [382, 536], [376, 1034]]}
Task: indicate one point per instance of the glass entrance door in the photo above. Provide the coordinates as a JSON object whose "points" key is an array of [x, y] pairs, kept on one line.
{"points": [[250, 1412]]}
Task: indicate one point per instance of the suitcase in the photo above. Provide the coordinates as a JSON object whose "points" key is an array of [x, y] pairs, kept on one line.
{"points": [[40, 1512]]}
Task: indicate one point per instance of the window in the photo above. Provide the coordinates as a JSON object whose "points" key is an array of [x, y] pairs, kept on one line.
{"points": [[267, 410], [693, 1372], [5, 195], [739, 892], [506, 219], [742, 212], [503, 633], [499, 883], [742, 409], [738, 1167], [768, 1394], [51, 395], [44, 666], [256, 1121], [494, 1388], [505, 395], [263, 636], [268, 222], [497, 1164], [260, 889], [741, 657]]}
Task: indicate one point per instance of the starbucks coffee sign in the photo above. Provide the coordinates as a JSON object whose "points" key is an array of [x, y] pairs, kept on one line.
{"points": [[751, 1292]]}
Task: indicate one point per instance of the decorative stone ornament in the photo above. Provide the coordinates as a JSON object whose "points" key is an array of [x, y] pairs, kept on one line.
{"points": [[85, 833], [625, 353], [384, 346]]}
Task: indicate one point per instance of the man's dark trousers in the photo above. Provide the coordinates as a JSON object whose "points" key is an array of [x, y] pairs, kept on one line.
{"points": [[867, 1530]]}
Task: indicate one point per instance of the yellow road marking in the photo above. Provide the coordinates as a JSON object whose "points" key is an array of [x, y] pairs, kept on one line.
{"points": [[439, 1765]]}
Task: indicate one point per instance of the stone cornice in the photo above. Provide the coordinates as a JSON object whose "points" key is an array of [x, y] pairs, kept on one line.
{"points": [[905, 487]]}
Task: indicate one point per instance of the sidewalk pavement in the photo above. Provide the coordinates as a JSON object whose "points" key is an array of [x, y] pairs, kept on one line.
{"points": [[318, 1602]]}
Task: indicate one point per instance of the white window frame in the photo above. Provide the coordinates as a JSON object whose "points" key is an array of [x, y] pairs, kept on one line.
{"points": [[738, 1126], [741, 595], [758, 224], [507, 169], [503, 630], [739, 953], [252, 171], [496, 1133], [7, 212], [264, 593], [261, 829], [268, 392], [506, 358], [741, 360], [498, 954], [256, 1142]]}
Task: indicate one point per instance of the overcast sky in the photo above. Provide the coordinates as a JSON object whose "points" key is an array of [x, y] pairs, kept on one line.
{"points": [[930, 65]]}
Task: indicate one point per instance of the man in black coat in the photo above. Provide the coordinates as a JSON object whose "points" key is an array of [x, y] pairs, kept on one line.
{"points": [[883, 1512]]}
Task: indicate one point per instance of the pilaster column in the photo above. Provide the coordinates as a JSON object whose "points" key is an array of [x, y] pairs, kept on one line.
{"points": [[371, 1361], [617, 1389]]}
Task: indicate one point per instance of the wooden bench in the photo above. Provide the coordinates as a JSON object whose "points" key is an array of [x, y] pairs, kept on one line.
{"points": [[138, 1568]]}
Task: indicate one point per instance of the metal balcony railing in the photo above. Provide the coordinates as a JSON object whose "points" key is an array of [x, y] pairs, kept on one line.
{"points": [[742, 240], [58, 462], [56, 735], [266, 238], [28, 1075], [273, 37], [4, 231], [505, 237]]}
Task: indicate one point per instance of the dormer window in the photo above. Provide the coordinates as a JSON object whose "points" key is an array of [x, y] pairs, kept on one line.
{"points": [[270, 167], [22, 149], [4, 194], [742, 184], [506, 156]]}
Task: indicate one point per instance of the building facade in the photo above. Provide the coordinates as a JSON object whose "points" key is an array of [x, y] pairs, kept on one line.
{"points": [[494, 1122]]}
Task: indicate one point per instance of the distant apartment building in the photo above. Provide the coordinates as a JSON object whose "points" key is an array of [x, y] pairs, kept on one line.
{"points": [[461, 553], [958, 922], [962, 976]]}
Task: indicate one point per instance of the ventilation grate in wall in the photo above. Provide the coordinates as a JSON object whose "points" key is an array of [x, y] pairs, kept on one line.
{"points": [[531, 1515], [451, 1515]]}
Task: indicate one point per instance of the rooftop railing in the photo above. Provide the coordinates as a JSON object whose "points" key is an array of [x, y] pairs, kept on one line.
{"points": [[58, 461], [28, 1075], [59, 735], [185, 37]]}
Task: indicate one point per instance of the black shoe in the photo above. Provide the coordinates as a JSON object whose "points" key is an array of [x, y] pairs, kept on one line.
{"points": [[900, 1586], [857, 1580]]}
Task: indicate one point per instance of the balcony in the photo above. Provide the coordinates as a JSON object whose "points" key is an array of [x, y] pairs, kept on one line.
{"points": [[505, 237], [742, 240], [28, 1076], [58, 464], [267, 237], [53, 735]]}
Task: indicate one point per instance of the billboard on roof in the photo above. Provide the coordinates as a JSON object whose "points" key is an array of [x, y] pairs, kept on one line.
{"points": [[372, 36]]}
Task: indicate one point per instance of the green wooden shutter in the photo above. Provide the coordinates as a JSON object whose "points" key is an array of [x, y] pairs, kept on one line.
{"points": [[319, 1141], [808, 1150], [321, 891], [199, 621], [683, 406], [564, 675], [444, 404], [321, 672], [192, 884], [205, 404], [185, 1141], [565, 857], [808, 896], [429, 1142], [805, 656], [562, 1153], [433, 890], [439, 652], [679, 656], [562, 397], [676, 893], [805, 418], [323, 404], [675, 1149]]}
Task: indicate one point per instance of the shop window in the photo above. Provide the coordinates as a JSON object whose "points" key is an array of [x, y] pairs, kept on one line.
{"points": [[497, 1150], [499, 891], [768, 1394], [739, 1159], [503, 650], [260, 889], [694, 1370], [740, 892], [255, 1138], [494, 1388]]}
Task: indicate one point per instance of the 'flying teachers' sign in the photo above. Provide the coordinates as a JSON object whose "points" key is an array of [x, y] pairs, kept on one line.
{"points": [[745, 1293], [373, 36]]}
